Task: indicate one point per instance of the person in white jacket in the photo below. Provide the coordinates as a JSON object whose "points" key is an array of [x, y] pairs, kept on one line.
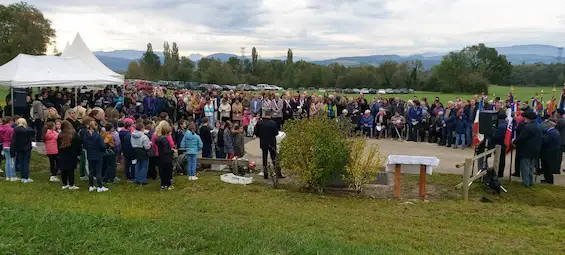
{"points": [[225, 110]]}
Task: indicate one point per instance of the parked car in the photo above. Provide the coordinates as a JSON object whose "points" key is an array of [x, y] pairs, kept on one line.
{"points": [[411, 91], [390, 91], [264, 87], [301, 89], [311, 88], [275, 87], [253, 88], [339, 90], [381, 91], [356, 91], [397, 91], [322, 90], [348, 91], [372, 91], [404, 91], [365, 91]]}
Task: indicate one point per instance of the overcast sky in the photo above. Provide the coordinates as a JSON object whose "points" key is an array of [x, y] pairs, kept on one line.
{"points": [[312, 28]]}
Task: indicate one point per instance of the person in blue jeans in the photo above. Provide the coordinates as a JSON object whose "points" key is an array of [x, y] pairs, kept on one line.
{"points": [[6, 133], [95, 148], [460, 130], [20, 148], [192, 144], [141, 144]]}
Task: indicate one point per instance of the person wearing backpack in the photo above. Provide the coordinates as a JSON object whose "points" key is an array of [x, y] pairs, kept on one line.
{"points": [[141, 144]]}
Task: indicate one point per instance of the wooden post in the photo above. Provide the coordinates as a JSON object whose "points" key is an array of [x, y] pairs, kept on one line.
{"points": [[397, 181], [423, 182], [496, 160], [466, 172]]}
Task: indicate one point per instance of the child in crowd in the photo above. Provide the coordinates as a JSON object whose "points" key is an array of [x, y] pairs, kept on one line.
{"points": [[165, 152], [69, 147], [238, 141], [58, 126], [460, 130], [127, 150], [6, 133], [110, 154], [192, 144], [50, 136], [179, 134], [95, 149], [245, 121]]}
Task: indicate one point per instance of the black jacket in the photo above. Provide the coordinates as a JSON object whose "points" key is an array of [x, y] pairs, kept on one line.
{"points": [[205, 135], [529, 141], [267, 132], [68, 156], [94, 145], [21, 140], [164, 148], [561, 128]]}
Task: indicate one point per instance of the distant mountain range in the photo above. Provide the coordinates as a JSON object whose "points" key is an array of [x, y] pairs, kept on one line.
{"points": [[118, 60]]}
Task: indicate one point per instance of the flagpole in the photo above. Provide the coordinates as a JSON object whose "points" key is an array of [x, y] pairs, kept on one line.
{"points": [[512, 104]]}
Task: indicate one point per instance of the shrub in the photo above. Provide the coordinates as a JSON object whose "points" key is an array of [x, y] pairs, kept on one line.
{"points": [[363, 164], [314, 149]]}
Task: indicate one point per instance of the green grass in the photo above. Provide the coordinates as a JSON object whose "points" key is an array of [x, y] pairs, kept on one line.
{"points": [[521, 93], [211, 217]]}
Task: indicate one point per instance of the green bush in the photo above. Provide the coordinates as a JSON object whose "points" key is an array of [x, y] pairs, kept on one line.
{"points": [[314, 150]]}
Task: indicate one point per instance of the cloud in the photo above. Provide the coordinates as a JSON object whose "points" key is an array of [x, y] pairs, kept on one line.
{"points": [[312, 28]]}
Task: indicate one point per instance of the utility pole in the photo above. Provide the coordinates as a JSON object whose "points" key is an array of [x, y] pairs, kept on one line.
{"points": [[242, 53]]}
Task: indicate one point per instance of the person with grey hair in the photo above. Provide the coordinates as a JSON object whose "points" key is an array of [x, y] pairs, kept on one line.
{"points": [[550, 155]]}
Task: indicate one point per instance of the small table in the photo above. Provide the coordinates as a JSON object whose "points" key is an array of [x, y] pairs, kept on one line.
{"points": [[412, 165]]}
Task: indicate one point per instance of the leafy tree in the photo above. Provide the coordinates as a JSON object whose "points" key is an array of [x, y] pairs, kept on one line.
{"points": [[254, 57], [151, 64], [186, 70], [289, 57], [23, 29], [388, 69], [135, 71]]}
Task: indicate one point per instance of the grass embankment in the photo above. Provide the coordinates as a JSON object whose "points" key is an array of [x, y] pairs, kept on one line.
{"points": [[211, 217]]}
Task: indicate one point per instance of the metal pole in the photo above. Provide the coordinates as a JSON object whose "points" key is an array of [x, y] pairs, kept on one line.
{"points": [[511, 161], [76, 98], [12, 99]]}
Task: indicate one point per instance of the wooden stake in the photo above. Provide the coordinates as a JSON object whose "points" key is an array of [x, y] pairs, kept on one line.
{"points": [[423, 182], [466, 173], [397, 181]]}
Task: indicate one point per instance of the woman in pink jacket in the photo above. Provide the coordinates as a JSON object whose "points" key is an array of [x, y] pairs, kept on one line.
{"points": [[6, 133], [50, 136]]}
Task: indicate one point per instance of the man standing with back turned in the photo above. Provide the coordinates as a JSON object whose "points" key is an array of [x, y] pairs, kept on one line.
{"points": [[267, 132], [529, 144]]}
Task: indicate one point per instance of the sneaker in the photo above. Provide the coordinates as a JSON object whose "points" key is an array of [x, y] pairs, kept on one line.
{"points": [[170, 188], [8, 179], [65, 187], [91, 188], [163, 187], [102, 189], [27, 180], [84, 178], [14, 179], [73, 187], [193, 178], [54, 179], [1, 171], [190, 178]]}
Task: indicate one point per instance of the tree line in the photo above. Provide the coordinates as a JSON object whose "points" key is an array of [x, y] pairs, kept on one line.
{"points": [[470, 70]]}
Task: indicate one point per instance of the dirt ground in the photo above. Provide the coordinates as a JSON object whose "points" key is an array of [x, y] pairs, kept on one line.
{"points": [[448, 157]]}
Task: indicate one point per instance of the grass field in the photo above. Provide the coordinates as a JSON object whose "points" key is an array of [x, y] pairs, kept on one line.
{"points": [[211, 217]]}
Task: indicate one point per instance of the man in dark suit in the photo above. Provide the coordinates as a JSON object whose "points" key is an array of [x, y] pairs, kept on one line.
{"points": [[560, 121], [529, 142], [267, 131]]}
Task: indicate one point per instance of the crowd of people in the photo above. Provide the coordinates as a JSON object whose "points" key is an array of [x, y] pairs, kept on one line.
{"points": [[144, 130]]}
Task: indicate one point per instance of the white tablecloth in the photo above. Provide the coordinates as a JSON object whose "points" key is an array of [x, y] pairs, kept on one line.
{"points": [[411, 164]]}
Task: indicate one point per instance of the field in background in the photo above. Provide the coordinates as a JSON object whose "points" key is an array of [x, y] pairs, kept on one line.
{"points": [[521, 93]]}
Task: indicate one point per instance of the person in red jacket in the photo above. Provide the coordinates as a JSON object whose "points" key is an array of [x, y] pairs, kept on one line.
{"points": [[50, 137], [6, 133]]}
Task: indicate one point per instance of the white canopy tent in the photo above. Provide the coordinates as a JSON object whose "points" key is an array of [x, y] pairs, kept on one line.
{"points": [[26, 71], [79, 49]]}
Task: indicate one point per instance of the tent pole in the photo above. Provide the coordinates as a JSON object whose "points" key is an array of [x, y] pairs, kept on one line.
{"points": [[12, 99], [76, 98]]}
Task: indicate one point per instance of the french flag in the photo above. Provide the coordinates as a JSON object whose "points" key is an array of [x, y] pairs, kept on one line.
{"points": [[478, 138], [508, 137]]}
